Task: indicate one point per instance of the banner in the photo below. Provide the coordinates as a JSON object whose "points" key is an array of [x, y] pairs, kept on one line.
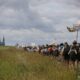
{"points": [[71, 29]]}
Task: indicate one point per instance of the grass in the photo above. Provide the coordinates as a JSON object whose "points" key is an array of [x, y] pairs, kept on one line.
{"points": [[17, 64]]}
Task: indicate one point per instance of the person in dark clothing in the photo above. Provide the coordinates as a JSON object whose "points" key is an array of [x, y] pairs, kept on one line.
{"points": [[78, 54], [65, 53], [73, 53]]}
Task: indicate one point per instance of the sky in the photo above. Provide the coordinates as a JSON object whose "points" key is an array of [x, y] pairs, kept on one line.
{"points": [[38, 21]]}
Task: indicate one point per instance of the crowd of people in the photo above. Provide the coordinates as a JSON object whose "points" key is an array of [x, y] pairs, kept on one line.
{"points": [[69, 53]]}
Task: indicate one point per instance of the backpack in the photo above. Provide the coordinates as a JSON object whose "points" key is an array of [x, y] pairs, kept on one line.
{"points": [[73, 50]]}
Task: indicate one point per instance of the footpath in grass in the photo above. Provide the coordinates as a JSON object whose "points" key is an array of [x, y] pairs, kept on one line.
{"points": [[17, 64]]}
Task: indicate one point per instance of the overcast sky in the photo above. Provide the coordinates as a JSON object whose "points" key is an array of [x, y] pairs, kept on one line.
{"points": [[39, 21]]}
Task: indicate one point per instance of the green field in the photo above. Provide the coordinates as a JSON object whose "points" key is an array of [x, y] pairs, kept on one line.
{"points": [[17, 64]]}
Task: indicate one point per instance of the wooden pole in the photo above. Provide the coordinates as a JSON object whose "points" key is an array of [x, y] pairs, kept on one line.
{"points": [[77, 36]]}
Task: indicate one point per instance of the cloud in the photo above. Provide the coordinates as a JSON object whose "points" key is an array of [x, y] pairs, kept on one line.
{"points": [[24, 35], [37, 19], [19, 16]]}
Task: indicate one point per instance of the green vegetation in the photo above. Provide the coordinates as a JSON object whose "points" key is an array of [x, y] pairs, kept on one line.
{"points": [[17, 64]]}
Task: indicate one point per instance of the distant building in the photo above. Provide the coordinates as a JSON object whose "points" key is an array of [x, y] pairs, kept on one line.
{"points": [[2, 42]]}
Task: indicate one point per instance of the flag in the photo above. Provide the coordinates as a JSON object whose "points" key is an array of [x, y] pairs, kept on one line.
{"points": [[71, 29]]}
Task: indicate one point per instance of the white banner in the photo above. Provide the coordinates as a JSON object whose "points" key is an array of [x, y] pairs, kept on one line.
{"points": [[71, 29]]}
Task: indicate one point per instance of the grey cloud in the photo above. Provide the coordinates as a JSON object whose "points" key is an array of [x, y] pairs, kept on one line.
{"points": [[26, 18], [48, 16], [75, 3]]}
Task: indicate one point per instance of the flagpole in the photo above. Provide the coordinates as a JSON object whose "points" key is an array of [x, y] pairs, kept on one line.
{"points": [[77, 36]]}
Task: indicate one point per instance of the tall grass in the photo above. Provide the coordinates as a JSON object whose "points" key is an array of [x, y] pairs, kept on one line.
{"points": [[17, 64]]}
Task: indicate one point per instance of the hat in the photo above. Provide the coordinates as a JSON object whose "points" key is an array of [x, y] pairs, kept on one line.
{"points": [[74, 42]]}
